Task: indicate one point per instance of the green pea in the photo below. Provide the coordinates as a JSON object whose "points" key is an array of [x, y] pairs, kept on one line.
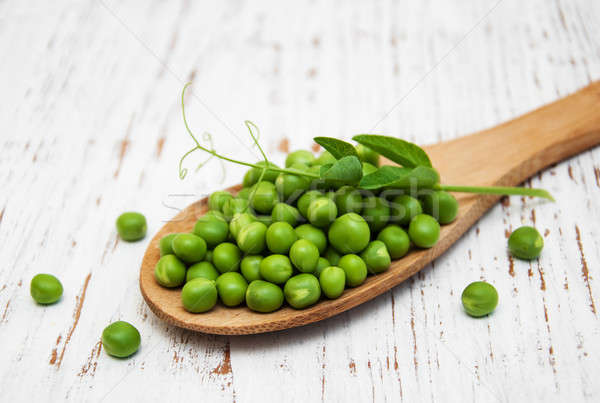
{"points": [[377, 213], [252, 238], [290, 186], [332, 255], [302, 290], [199, 295], [305, 200], [396, 240], [479, 299], [348, 200], [368, 169], [276, 269], [404, 208], [121, 339], [215, 214], [169, 271], [265, 197], [525, 243], [286, 213], [189, 247], [321, 212], [45, 289], [209, 256], [253, 174], [244, 193], [250, 267], [301, 157], [165, 244], [440, 205], [131, 226], [376, 257], [202, 269], [239, 221], [313, 234], [217, 200], [265, 219], [280, 237], [325, 158], [354, 268], [424, 231], [234, 206], [212, 229], [322, 263], [349, 233], [366, 154], [304, 255], [262, 296], [333, 281], [232, 287], [227, 257]]}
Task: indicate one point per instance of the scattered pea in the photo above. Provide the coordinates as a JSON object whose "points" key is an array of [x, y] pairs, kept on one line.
{"points": [[45, 289], [525, 243], [479, 299], [120, 339], [131, 226]]}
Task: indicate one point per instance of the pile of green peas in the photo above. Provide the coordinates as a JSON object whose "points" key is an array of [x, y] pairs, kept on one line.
{"points": [[287, 238]]}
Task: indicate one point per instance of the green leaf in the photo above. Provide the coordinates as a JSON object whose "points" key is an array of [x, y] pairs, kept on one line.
{"points": [[401, 152], [401, 177], [338, 148], [347, 170]]}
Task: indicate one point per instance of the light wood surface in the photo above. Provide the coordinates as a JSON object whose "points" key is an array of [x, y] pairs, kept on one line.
{"points": [[91, 127]]}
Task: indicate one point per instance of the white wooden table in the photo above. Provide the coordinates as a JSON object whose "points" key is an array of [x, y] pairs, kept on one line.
{"points": [[91, 127]]}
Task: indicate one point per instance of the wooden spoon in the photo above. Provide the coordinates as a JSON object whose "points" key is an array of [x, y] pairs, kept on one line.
{"points": [[502, 156]]}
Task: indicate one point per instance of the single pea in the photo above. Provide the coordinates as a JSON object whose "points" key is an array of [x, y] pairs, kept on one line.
{"points": [[349, 233], [253, 174], [368, 169], [366, 154], [280, 237], [333, 281], [227, 257], [377, 213], [169, 271], [348, 200], [396, 240], [322, 263], [354, 268], [525, 243], [304, 255], [209, 256], [440, 205], [217, 200], [276, 269], [290, 187], [231, 287], [131, 226], [265, 197], [325, 158], [300, 156], [321, 212], [45, 289], [313, 234], [252, 238], [120, 339], [332, 255], [244, 193], [202, 269], [286, 213], [424, 231], [212, 229], [189, 247], [250, 267], [479, 299], [164, 245], [302, 290], [239, 221], [376, 257], [199, 295], [404, 208], [262, 296], [305, 200], [234, 206]]}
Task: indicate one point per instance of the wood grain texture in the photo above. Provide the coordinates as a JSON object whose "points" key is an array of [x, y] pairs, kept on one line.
{"points": [[92, 88]]}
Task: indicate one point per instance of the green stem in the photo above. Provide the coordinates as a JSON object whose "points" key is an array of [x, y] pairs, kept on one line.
{"points": [[498, 190]]}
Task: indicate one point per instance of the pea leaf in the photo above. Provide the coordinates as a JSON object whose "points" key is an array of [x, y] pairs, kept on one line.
{"points": [[337, 148], [401, 177], [401, 152], [347, 170]]}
